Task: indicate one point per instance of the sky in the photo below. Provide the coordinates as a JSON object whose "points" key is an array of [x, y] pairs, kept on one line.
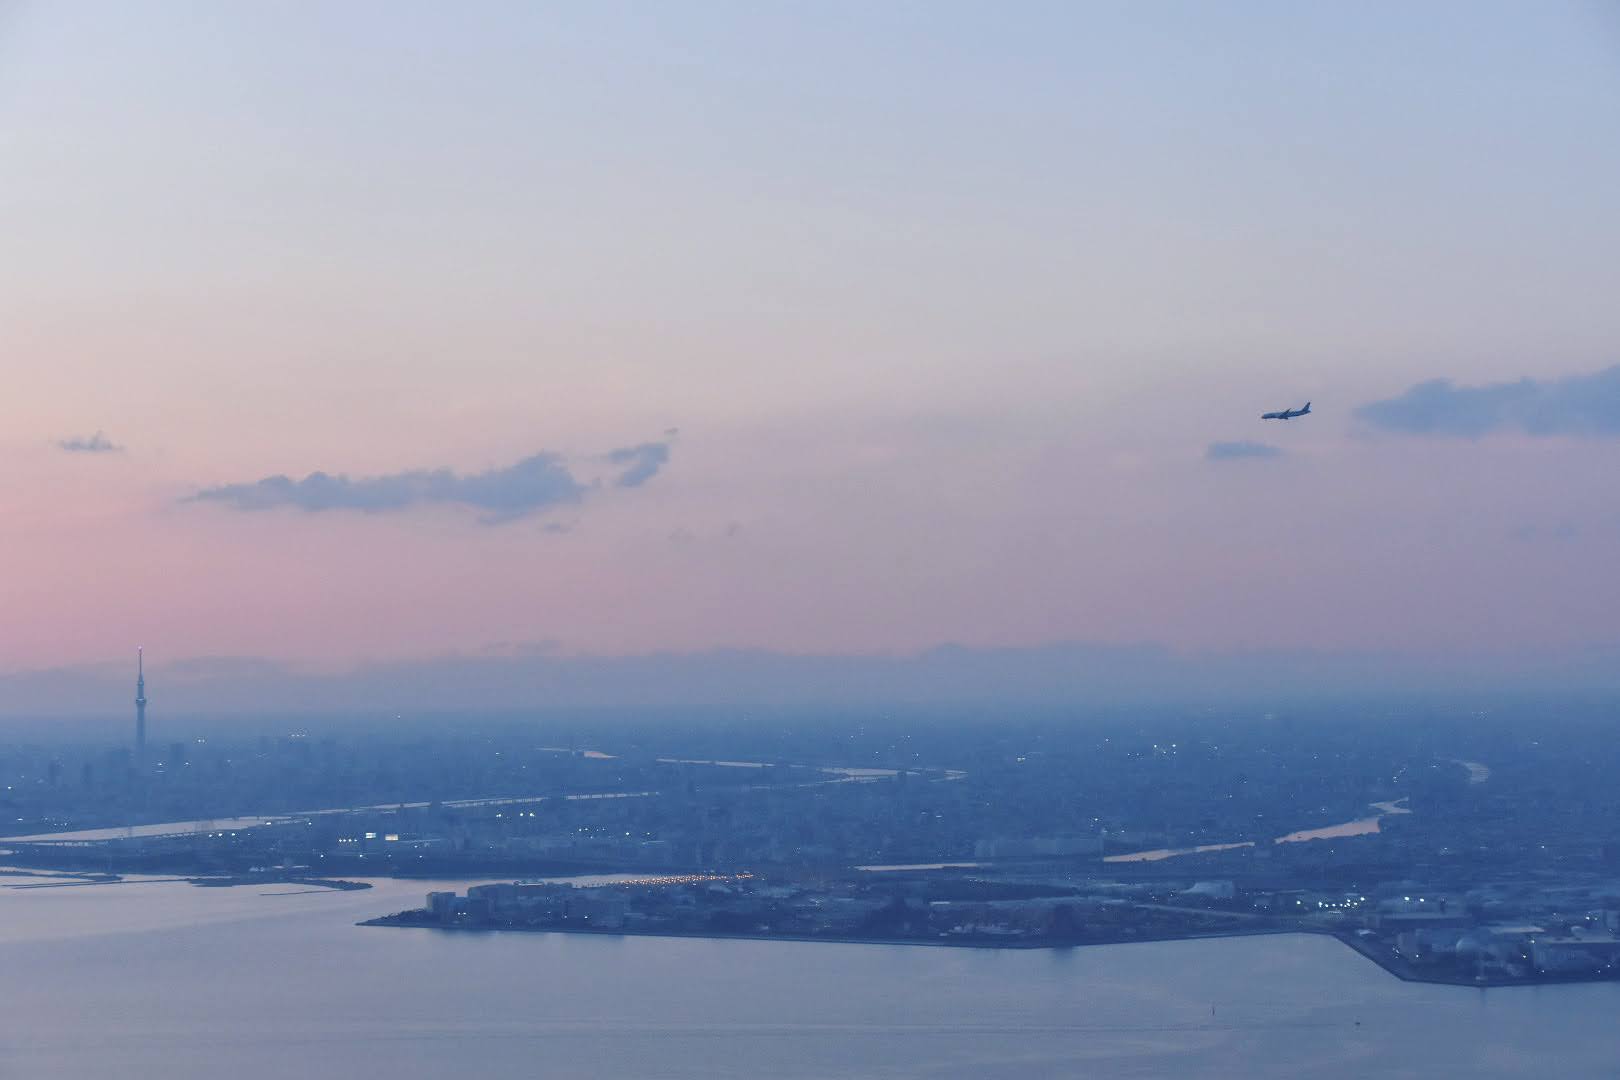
{"points": [[379, 333]]}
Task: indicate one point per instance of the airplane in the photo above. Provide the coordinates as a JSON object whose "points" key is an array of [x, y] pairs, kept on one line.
{"points": [[1287, 414]]}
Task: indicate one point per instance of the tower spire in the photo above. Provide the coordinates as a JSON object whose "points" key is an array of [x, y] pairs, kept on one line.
{"points": [[140, 701]]}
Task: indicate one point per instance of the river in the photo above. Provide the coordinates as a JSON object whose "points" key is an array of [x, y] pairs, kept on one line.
{"points": [[837, 774], [162, 979], [1362, 826], [1478, 773]]}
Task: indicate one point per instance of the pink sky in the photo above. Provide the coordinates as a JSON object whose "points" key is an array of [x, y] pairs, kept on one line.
{"points": [[946, 313]]}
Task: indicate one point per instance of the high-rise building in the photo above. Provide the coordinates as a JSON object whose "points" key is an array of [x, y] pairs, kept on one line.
{"points": [[140, 703]]}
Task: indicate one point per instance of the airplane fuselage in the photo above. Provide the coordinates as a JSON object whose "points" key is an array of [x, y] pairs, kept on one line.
{"points": [[1286, 414]]}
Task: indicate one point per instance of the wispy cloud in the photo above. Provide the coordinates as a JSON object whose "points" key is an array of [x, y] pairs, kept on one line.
{"points": [[93, 444], [641, 463], [532, 485], [1240, 451], [1572, 405]]}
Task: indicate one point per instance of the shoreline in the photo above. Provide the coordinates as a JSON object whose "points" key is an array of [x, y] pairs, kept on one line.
{"points": [[397, 921], [1405, 972], [1388, 963]]}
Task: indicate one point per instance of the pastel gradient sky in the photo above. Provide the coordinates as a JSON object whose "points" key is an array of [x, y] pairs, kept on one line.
{"points": [[956, 309]]}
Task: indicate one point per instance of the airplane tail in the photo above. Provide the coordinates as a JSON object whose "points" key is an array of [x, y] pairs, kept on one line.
{"points": [[1307, 408]]}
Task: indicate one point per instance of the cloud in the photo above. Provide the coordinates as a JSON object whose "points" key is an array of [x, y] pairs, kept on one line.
{"points": [[94, 444], [1238, 451], [534, 484], [643, 462], [1572, 405]]}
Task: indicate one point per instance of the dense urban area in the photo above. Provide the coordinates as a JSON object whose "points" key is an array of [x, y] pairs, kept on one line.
{"points": [[1478, 846]]}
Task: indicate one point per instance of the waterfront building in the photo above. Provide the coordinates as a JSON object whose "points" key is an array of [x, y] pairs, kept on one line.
{"points": [[442, 904], [1574, 955]]}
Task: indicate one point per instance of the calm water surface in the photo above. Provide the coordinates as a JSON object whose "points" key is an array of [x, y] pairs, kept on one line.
{"points": [[162, 979]]}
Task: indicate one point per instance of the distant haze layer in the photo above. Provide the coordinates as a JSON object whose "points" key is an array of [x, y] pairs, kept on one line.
{"points": [[999, 682]]}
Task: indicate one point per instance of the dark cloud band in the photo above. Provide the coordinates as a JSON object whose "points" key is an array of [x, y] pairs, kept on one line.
{"points": [[93, 444], [530, 486], [1572, 405]]}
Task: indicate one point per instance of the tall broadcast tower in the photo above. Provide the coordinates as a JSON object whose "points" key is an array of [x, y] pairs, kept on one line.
{"points": [[140, 703]]}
